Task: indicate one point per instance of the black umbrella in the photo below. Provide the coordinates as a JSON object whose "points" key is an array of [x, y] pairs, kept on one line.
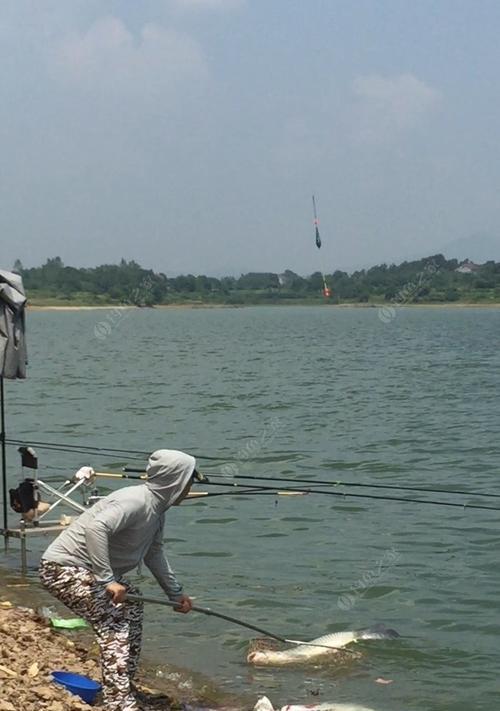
{"points": [[12, 353]]}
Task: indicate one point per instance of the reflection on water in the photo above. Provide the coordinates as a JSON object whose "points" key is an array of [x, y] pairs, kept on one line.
{"points": [[325, 393]]}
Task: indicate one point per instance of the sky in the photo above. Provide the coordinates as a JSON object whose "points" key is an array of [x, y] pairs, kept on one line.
{"points": [[190, 135]]}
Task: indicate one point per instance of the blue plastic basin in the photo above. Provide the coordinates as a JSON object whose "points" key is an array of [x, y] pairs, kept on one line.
{"points": [[82, 686]]}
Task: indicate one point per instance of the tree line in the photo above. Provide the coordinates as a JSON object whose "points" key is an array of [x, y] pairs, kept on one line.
{"points": [[433, 279]]}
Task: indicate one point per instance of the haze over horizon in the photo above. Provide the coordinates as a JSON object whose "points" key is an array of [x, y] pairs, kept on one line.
{"points": [[189, 135]]}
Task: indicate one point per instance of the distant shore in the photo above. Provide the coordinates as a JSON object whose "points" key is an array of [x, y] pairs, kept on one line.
{"points": [[430, 281], [190, 305], [126, 307]]}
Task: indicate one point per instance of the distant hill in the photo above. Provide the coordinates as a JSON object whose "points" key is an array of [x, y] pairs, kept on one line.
{"points": [[480, 248]]}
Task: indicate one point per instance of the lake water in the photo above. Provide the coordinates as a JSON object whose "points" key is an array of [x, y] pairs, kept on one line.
{"points": [[301, 392]]}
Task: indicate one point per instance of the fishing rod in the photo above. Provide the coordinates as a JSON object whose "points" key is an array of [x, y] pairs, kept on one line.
{"points": [[228, 618], [374, 497], [363, 485], [89, 449], [199, 494], [74, 450], [246, 488], [79, 446], [194, 494], [121, 475], [316, 482], [246, 492], [275, 492]]}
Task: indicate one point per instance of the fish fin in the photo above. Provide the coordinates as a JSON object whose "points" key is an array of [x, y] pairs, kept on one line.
{"points": [[379, 631]]}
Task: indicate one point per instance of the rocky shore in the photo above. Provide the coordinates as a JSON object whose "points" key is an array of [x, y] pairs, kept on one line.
{"points": [[30, 650]]}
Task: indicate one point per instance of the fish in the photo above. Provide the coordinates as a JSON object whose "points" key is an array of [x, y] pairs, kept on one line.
{"points": [[304, 653], [191, 707], [263, 704], [326, 707]]}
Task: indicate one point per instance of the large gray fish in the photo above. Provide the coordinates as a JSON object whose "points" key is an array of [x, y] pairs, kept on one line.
{"points": [[327, 645]]}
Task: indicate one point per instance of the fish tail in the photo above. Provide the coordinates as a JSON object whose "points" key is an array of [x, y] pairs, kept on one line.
{"points": [[379, 631]]}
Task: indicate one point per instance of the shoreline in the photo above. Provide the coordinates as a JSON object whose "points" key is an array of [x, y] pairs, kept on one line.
{"points": [[30, 649], [127, 307], [182, 306]]}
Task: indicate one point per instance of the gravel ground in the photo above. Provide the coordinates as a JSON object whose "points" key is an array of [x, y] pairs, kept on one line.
{"points": [[30, 650]]}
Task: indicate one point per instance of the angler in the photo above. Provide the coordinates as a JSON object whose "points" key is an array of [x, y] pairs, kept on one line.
{"points": [[84, 566]]}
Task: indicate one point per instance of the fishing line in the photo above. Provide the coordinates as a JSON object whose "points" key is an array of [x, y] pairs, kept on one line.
{"points": [[320, 482], [89, 449], [115, 452], [315, 483], [347, 494], [248, 489], [75, 450], [80, 446]]}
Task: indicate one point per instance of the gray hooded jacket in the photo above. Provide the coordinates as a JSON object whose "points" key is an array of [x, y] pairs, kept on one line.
{"points": [[126, 527]]}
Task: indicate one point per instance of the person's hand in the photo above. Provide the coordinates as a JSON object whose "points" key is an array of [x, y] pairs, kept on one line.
{"points": [[184, 604], [117, 592]]}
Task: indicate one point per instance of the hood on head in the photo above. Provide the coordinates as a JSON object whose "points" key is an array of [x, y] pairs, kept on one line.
{"points": [[168, 473]]}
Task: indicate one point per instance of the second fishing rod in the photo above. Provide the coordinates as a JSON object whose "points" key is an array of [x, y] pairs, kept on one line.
{"points": [[241, 489], [350, 495]]}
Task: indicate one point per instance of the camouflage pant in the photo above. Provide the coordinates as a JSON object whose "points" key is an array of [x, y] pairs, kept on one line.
{"points": [[118, 627]]}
